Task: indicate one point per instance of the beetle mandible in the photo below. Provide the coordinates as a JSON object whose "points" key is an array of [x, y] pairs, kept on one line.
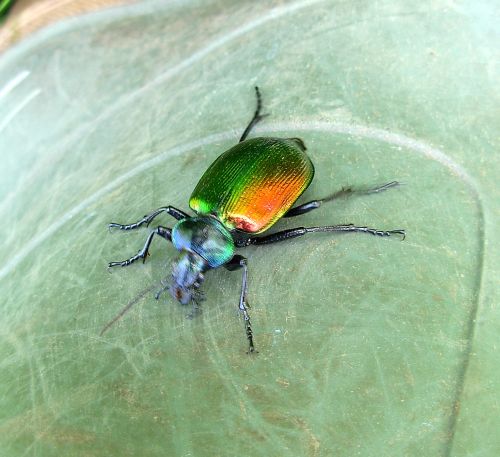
{"points": [[242, 194]]}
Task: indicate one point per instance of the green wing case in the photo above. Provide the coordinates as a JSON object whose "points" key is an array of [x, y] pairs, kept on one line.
{"points": [[253, 184]]}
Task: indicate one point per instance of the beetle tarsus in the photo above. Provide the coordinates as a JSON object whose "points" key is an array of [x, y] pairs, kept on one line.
{"points": [[126, 263], [249, 334], [148, 218], [383, 187], [349, 191], [257, 117], [343, 192], [164, 232]]}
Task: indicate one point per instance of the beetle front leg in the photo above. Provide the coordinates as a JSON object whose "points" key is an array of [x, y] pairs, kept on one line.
{"points": [[344, 192], [164, 232], [236, 263], [148, 218]]}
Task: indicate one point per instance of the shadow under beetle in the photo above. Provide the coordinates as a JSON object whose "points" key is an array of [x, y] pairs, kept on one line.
{"points": [[243, 193]]}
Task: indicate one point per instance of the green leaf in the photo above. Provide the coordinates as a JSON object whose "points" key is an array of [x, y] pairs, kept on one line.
{"points": [[367, 346], [5, 6]]}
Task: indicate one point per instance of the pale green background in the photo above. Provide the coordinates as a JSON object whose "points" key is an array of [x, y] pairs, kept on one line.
{"points": [[368, 347]]}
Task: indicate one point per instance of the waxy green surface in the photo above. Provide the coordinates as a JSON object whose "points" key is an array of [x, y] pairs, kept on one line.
{"points": [[250, 186], [368, 347]]}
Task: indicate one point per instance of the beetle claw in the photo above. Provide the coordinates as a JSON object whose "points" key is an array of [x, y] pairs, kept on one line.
{"points": [[400, 232], [113, 225]]}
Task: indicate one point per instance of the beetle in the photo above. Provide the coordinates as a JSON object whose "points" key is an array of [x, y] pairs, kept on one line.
{"points": [[245, 191]]}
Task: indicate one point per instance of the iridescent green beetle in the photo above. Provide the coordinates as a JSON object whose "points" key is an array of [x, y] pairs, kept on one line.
{"points": [[243, 193]]}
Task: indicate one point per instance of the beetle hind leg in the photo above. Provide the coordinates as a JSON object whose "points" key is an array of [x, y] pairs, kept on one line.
{"points": [[256, 117], [301, 231], [344, 192]]}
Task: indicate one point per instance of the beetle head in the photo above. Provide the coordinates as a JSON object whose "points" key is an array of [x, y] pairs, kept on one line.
{"points": [[187, 277]]}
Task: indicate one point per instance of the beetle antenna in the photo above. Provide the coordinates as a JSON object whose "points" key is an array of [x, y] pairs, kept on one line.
{"points": [[127, 308]]}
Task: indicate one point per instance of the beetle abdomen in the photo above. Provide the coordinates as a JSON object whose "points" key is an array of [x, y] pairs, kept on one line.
{"points": [[253, 184]]}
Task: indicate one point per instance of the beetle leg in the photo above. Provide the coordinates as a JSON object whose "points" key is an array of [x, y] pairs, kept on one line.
{"points": [[344, 192], [174, 212], [256, 117], [164, 232], [195, 310], [236, 263], [300, 231]]}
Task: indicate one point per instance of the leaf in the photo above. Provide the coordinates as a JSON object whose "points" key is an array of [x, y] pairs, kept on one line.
{"points": [[367, 346]]}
